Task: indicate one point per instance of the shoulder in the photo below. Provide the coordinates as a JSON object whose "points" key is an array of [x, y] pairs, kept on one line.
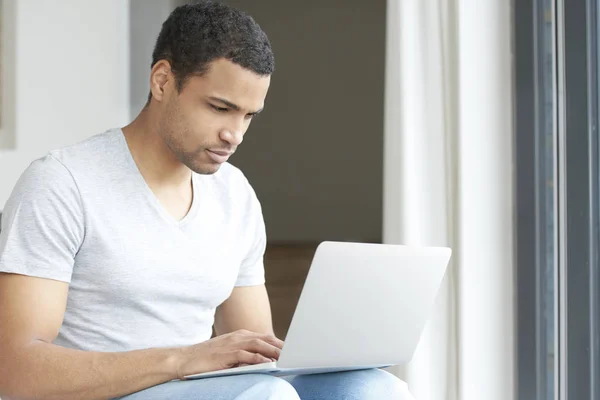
{"points": [[44, 175], [89, 152], [233, 177], [233, 188], [45, 200], [231, 180], [54, 174]]}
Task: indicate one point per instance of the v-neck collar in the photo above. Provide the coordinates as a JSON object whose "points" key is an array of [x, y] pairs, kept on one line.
{"points": [[143, 185]]}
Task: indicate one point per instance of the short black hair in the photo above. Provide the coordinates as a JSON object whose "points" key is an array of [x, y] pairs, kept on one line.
{"points": [[196, 34]]}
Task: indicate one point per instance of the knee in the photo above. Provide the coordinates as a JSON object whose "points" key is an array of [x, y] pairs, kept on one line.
{"points": [[268, 387], [381, 384], [373, 384]]}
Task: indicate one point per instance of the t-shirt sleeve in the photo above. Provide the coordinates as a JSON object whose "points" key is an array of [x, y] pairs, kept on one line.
{"points": [[252, 270], [42, 223]]}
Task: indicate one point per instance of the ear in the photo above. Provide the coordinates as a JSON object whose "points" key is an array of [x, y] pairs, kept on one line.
{"points": [[160, 76]]}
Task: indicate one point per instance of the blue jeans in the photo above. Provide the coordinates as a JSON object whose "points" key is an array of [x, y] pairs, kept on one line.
{"points": [[371, 384]]}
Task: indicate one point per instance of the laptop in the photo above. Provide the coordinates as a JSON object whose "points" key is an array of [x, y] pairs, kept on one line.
{"points": [[362, 306]]}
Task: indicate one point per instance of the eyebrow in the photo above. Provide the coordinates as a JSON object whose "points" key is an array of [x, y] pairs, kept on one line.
{"points": [[231, 105]]}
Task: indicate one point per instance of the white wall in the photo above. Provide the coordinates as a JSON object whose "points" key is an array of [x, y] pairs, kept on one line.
{"points": [[70, 75], [146, 20]]}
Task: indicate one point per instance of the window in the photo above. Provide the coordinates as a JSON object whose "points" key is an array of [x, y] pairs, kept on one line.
{"points": [[558, 203]]}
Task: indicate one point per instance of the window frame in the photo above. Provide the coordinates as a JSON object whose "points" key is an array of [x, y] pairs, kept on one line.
{"points": [[578, 200], [531, 179]]}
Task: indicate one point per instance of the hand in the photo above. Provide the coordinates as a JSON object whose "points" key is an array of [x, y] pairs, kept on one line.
{"points": [[227, 351]]}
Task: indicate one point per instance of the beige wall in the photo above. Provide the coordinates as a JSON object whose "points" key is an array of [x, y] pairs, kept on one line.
{"points": [[315, 156]]}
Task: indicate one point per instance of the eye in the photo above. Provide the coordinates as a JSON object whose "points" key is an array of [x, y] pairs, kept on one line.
{"points": [[250, 116], [219, 109]]}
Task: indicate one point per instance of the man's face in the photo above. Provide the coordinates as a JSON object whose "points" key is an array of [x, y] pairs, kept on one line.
{"points": [[206, 122]]}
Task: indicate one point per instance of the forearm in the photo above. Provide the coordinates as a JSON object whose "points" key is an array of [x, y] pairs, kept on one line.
{"points": [[247, 308], [46, 371]]}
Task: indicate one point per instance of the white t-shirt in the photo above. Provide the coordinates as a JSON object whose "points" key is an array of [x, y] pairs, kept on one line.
{"points": [[137, 277]]}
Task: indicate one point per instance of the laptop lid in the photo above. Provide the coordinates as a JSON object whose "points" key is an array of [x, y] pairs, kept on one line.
{"points": [[363, 304]]}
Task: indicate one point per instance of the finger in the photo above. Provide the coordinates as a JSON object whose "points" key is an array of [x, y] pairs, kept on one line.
{"points": [[258, 345], [273, 340], [241, 357], [266, 337]]}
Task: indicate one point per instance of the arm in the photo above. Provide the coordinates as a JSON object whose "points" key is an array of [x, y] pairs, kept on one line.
{"points": [[247, 308], [31, 367]]}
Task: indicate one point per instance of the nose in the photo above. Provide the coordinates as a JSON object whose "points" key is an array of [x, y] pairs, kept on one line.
{"points": [[232, 136]]}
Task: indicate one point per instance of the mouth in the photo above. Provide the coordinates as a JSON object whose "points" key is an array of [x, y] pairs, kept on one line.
{"points": [[219, 156]]}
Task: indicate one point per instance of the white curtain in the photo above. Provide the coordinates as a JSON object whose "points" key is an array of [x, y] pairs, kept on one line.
{"points": [[447, 182]]}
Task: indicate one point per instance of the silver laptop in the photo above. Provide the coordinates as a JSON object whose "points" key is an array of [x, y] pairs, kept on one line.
{"points": [[362, 306]]}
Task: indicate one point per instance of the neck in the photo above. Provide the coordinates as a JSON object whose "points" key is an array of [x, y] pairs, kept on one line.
{"points": [[156, 162]]}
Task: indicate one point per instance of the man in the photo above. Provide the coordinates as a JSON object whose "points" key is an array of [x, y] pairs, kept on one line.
{"points": [[119, 254]]}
